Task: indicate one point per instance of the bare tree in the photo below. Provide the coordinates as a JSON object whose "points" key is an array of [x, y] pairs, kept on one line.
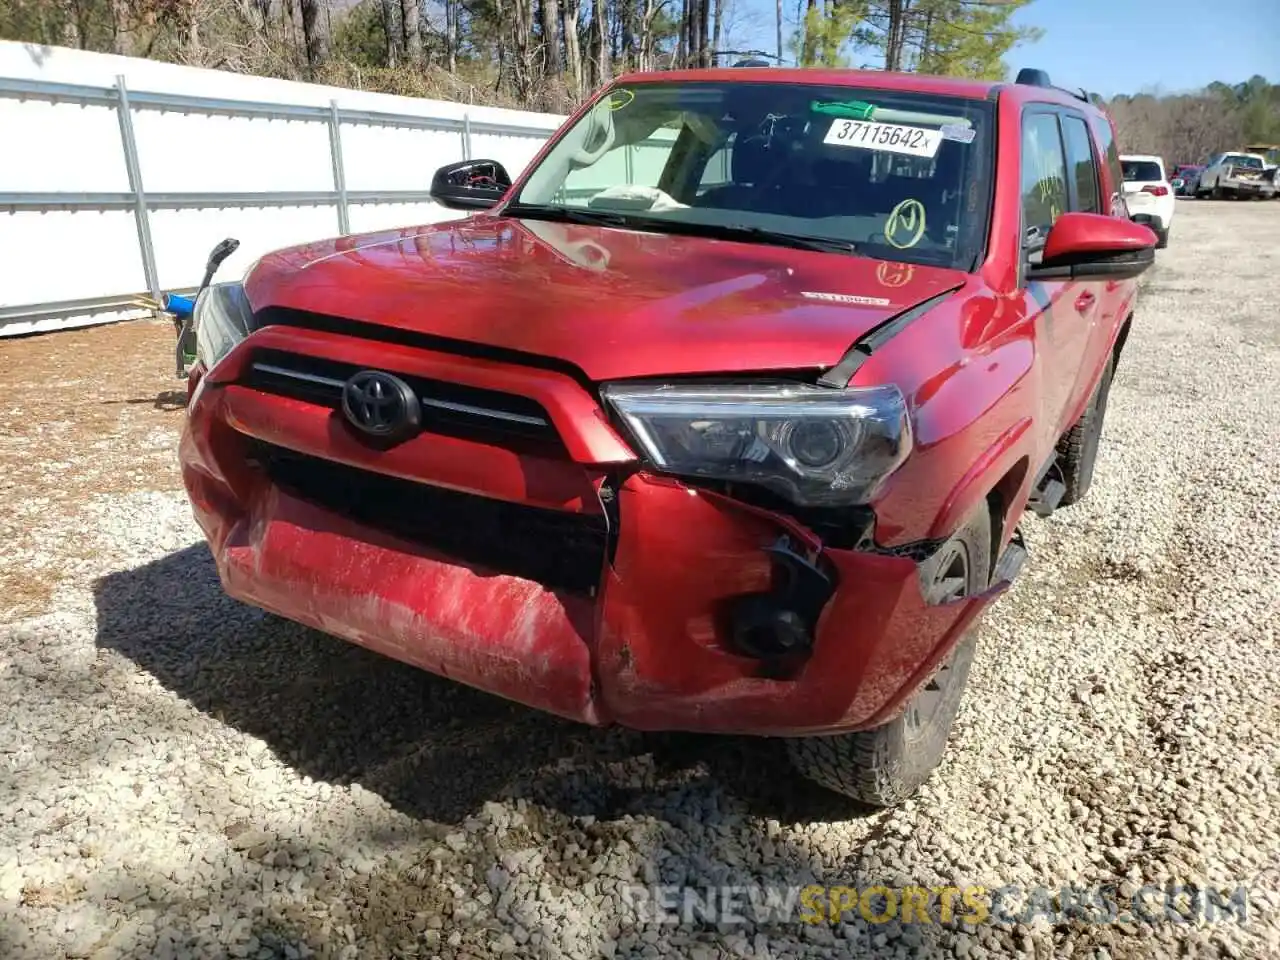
{"points": [[683, 46], [569, 12], [391, 26], [519, 30], [779, 23], [551, 64], [1181, 129], [451, 8], [716, 31], [315, 33], [121, 28], [410, 20], [600, 29], [896, 33]]}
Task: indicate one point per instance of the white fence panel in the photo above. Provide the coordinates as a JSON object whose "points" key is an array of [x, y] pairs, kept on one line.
{"points": [[70, 247], [50, 147], [60, 256]]}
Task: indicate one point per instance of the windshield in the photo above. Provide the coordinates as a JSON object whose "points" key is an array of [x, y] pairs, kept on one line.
{"points": [[1141, 170], [896, 176], [1248, 163]]}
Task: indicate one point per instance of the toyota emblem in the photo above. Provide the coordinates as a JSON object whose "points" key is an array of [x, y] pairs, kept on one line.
{"points": [[380, 405]]}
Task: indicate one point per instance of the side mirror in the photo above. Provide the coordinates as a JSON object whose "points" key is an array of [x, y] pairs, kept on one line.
{"points": [[1091, 246], [470, 185], [219, 253]]}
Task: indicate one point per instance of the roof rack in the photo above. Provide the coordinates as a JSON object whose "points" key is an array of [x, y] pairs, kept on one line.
{"points": [[1031, 77], [753, 62]]}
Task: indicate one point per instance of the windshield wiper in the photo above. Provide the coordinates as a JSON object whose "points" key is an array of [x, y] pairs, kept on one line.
{"points": [[689, 228], [781, 238], [541, 211]]}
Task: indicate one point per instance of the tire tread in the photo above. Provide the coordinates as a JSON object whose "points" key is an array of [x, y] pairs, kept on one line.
{"points": [[878, 767], [1078, 447]]}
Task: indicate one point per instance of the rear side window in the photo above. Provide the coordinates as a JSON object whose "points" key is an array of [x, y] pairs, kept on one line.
{"points": [[1141, 171], [1080, 161], [1247, 163], [1044, 176], [1111, 155]]}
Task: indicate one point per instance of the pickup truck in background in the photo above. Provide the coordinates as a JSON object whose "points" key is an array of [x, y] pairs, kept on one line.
{"points": [[1270, 154], [1238, 175]]}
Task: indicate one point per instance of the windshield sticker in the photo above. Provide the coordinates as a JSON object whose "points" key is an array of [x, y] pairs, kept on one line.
{"points": [[621, 98], [959, 132], [905, 225], [894, 274], [845, 298], [886, 137]]}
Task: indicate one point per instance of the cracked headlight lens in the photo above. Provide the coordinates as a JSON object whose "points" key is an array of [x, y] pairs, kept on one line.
{"points": [[813, 445]]}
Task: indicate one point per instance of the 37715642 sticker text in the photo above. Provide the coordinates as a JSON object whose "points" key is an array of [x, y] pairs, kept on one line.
{"points": [[887, 137]]}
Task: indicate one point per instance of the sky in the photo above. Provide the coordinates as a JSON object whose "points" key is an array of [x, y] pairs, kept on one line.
{"points": [[1111, 46]]}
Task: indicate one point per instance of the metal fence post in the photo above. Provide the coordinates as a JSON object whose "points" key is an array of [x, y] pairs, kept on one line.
{"points": [[339, 173], [466, 136], [141, 218]]}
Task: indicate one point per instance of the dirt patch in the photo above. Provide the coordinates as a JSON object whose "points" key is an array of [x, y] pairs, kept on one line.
{"points": [[82, 413]]}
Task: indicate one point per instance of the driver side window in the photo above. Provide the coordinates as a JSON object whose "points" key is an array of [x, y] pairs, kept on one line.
{"points": [[1044, 177]]}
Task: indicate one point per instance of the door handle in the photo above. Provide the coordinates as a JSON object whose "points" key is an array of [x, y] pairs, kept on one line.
{"points": [[1085, 302]]}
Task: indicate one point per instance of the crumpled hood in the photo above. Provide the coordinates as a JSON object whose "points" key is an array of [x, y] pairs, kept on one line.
{"points": [[613, 303]]}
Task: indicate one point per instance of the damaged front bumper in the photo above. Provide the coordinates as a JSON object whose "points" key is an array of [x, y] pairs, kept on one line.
{"points": [[702, 613]]}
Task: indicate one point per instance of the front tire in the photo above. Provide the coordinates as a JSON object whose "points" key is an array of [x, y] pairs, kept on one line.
{"points": [[884, 766], [1078, 448]]}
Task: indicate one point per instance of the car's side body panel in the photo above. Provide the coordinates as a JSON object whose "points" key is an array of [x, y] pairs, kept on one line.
{"points": [[999, 372]]}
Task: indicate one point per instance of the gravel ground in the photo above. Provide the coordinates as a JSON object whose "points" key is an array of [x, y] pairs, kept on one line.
{"points": [[179, 777]]}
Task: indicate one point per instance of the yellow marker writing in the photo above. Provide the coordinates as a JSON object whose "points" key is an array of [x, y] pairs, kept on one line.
{"points": [[907, 218], [894, 274], [621, 98]]}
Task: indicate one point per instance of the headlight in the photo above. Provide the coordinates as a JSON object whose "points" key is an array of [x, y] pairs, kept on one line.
{"points": [[813, 445], [222, 319]]}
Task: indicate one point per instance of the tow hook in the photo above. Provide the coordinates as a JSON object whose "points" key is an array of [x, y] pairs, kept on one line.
{"points": [[780, 623]]}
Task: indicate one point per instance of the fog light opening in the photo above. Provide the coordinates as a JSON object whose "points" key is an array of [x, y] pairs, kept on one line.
{"points": [[780, 623]]}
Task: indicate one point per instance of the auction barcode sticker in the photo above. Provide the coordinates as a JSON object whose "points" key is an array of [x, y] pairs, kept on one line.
{"points": [[889, 137]]}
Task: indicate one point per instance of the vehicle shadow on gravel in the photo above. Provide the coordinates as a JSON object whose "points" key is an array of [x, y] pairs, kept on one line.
{"points": [[166, 400], [432, 748], [691, 810]]}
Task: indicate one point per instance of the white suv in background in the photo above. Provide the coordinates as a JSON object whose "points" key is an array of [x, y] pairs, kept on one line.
{"points": [[1148, 194]]}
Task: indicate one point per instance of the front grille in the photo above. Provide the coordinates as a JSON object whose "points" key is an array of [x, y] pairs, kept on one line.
{"points": [[562, 551], [449, 408]]}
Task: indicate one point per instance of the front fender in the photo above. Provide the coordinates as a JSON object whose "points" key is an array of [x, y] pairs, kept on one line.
{"points": [[974, 424], [1005, 465]]}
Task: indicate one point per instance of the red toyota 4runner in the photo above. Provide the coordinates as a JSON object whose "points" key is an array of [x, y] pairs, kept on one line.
{"points": [[721, 417]]}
